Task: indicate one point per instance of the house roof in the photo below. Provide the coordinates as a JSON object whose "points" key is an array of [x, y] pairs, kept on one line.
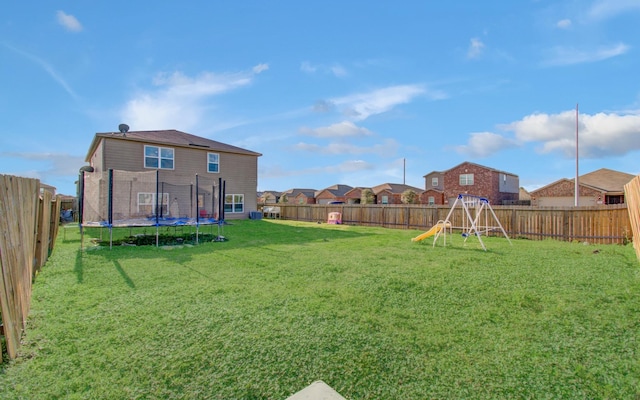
{"points": [[336, 190], [477, 165], [603, 180], [395, 188], [296, 191], [273, 192], [360, 188], [169, 137], [606, 179]]}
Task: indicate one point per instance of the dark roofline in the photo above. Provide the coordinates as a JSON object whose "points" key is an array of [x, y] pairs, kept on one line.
{"points": [[182, 139]]}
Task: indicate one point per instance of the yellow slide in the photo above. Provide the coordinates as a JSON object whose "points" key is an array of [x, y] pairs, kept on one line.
{"points": [[434, 229]]}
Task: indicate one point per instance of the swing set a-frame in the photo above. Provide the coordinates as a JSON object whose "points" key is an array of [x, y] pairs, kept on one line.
{"points": [[478, 219]]}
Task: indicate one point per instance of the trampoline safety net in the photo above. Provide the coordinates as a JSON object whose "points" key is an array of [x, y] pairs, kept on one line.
{"points": [[124, 198]]}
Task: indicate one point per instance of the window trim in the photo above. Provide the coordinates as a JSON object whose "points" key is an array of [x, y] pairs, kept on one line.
{"points": [[217, 163], [434, 181], [164, 203], [233, 204], [159, 158], [466, 180]]}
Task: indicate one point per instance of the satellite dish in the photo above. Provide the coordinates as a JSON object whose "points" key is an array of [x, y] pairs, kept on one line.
{"points": [[123, 128]]}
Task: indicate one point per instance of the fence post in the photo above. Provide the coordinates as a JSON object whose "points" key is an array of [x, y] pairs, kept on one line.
{"points": [[565, 225]]}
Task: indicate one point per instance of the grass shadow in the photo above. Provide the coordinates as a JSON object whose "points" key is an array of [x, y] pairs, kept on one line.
{"points": [[78, 267], [124, 275]]}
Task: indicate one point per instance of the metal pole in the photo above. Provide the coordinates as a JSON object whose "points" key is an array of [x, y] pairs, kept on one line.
{"points": [[157, 190], [577, 186], [110, 206]]}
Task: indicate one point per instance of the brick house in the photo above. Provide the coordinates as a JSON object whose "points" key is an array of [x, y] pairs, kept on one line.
{"points": [[354, 195], [332, 193], [603, 186], [469, 178], [269, 197], [300, 196], [391, 193]]}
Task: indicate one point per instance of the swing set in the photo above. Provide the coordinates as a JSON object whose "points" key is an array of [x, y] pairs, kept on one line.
{"points": [[478, 219]]}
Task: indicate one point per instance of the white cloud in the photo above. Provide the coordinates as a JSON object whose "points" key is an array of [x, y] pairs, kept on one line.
{"points": [[361, 106], [340, 130], [335, 69], [180, 101], [53, 164], [603, 9], [260, 68], [306, 66], [564, 24], [476, 47], [48, 69], [560, 56], [484, 144], [600, 135], [349, 166], [68, 21], [386, 149]]}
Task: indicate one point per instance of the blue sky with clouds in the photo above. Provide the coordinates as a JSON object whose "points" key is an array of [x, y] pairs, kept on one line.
{"points": [[351, 92]]}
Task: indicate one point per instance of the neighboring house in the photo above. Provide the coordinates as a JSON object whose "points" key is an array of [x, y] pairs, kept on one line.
{"points": [[178, 157], [269, 197], [300, 196], [432, 197], [524, 198], [48, 188], [391, 193], [354, 196], [335, 193], [603, 186], [499, 187]]}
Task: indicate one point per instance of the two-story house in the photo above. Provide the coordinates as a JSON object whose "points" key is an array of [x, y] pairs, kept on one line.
{"points": [[443, 187], [180, 160]]}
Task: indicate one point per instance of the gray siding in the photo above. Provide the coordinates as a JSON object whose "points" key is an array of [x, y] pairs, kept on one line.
{"points": [[239, 171]]}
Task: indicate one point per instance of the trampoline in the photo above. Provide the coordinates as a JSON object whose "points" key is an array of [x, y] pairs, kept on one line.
{"points": [[124, 199]]}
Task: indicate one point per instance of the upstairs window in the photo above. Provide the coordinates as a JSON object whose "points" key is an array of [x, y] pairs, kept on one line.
{"points": [[434, 182], [158, 157], [466, 179], [213, 162]]}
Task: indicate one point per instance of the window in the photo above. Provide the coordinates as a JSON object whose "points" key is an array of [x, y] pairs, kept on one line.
{"points": [[234, 203], [158, 157], [213, 162], [466, 179], [432, 200], [434, 182], [385, 199], [147, 203]]}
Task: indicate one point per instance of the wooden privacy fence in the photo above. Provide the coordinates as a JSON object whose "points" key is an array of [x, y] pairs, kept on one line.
{"points": [[29, 224], [599, 224], [632, 194]]}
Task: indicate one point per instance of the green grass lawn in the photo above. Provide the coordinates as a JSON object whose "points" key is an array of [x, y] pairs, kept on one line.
{"points": [[376, 316]]}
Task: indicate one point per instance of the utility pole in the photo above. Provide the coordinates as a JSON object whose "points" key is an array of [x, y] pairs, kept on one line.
{"points": [[577, 186]]}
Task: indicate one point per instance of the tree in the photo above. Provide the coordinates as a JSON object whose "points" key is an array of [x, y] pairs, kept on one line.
{"points": [[409, 197], [367, 196], [283, 199]]}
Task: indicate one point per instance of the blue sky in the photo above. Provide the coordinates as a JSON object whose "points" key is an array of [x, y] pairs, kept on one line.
{"points": [[352, 92]]}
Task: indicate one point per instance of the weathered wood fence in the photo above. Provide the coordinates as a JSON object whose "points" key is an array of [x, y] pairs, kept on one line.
{"points": [[599, 224], [632, 195], [28, 226]]}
